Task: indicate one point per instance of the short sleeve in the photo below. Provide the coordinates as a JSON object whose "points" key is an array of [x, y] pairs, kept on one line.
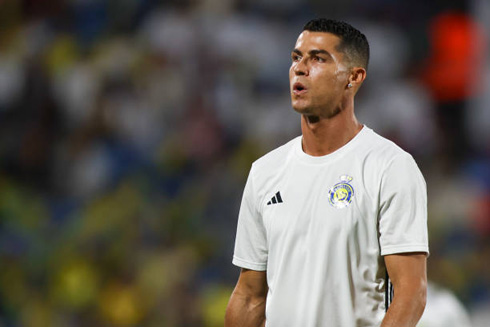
{"points": [[403, 208], [251, 241]]}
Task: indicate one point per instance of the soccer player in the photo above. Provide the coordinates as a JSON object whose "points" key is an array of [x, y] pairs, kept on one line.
{"points": [[329, 220]]}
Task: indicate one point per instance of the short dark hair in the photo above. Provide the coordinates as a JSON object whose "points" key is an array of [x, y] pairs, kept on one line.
{"points": [[352, 42]]}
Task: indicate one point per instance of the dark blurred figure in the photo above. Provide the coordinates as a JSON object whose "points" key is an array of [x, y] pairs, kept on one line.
{"points": [[31, 131]]}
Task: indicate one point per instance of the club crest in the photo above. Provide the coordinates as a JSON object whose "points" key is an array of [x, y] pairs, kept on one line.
{"points": [[341, 194]]}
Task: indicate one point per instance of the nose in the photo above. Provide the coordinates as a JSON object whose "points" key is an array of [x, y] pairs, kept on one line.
{"points": [[300, 67]]}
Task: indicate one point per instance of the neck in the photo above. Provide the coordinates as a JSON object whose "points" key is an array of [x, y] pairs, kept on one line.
{"points": [[322, 136]]}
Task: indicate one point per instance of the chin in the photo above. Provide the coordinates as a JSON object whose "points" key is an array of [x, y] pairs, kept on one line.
{"points": [[299, 110], [302, 109]]}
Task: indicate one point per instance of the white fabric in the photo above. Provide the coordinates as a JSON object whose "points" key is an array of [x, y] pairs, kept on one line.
{"points": [[443, 309], [323, 255]]}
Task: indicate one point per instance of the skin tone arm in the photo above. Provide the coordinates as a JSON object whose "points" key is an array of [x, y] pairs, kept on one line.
{"points": [[408, 274], [247, 303]]}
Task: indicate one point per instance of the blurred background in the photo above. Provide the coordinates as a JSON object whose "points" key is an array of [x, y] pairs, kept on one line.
{"points": [[127, 129]]}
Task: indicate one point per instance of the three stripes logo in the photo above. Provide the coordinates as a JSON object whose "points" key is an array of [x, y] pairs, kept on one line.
{"points": [[275, 199]]}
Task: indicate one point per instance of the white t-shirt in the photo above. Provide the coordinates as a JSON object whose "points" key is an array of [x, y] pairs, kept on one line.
{"points": [[320, 226]]}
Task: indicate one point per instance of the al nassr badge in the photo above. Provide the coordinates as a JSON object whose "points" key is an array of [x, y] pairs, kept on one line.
{"points": [[341, 194]]}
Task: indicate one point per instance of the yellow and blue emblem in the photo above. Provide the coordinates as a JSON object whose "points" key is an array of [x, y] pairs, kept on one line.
{"points": [[341, 194]]}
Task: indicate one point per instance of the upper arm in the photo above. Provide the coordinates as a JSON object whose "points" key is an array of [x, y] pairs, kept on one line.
{"points": [[407, 270], [251, 249], [252, 284], [403, 208]]}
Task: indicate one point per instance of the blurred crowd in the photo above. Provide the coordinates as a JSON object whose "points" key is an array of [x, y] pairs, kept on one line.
{"points": [[127, 129]]}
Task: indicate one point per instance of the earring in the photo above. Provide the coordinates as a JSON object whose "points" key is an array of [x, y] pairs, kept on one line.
{"points": [[349, 85]]}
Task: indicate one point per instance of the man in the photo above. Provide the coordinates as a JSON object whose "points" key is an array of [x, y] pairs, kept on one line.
{"points": [[329, 218]]}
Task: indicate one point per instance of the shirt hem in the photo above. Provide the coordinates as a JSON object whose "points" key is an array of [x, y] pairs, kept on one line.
{"points": [[249, 265], [404, 249]]}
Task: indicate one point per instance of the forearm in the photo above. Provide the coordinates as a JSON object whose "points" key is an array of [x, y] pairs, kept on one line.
{"points": [[407, 308], [243, 311]]}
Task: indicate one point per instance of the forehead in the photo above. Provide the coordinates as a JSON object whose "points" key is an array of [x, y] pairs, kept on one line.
{"points": [[308, 40]]}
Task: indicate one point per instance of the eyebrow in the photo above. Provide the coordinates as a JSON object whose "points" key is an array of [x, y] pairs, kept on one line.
{"points": [[314, 52]]}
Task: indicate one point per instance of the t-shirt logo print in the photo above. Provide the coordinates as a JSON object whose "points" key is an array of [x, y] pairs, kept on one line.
{"points": [[341, 194]]}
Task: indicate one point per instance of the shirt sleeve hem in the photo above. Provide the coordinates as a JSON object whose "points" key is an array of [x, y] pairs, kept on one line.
{"points": [[249, 265], [405, 249]]}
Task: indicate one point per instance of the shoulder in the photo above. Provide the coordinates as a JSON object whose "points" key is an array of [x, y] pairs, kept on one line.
{"points": [[383, 152], [271, 162], [278, 155], [382, 159]]}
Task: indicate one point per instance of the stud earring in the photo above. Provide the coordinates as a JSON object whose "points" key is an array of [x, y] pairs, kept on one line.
{"points": [[349, 85]]}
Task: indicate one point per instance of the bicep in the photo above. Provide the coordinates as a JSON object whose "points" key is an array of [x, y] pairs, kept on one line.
{"points": [[252, 283], [407, 269], [403, 208], [407, 272], [251, 249]]}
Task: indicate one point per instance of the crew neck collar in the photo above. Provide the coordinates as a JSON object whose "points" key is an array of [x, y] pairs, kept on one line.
{"points": [[304, 157]]}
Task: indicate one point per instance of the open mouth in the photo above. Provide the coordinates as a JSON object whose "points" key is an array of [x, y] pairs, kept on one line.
{"points": [[298, 88]]}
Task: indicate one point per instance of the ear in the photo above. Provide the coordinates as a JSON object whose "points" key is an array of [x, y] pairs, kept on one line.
{"points": [[357, 76]]}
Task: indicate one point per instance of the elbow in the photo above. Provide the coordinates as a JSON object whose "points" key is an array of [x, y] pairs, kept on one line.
{"points": [[422, 295], [255, 304], [244, 306], [414, 296], [417, 298]]}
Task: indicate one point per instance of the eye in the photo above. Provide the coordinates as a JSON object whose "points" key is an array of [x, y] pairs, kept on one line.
{"points": [[295, 57], [319, 59]]}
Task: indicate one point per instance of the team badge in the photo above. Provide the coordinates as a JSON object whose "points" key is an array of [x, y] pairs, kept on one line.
{"points": [[341, 194]]}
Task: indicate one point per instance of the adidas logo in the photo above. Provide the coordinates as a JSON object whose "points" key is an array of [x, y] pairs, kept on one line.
{"points": [[275, 199]]}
